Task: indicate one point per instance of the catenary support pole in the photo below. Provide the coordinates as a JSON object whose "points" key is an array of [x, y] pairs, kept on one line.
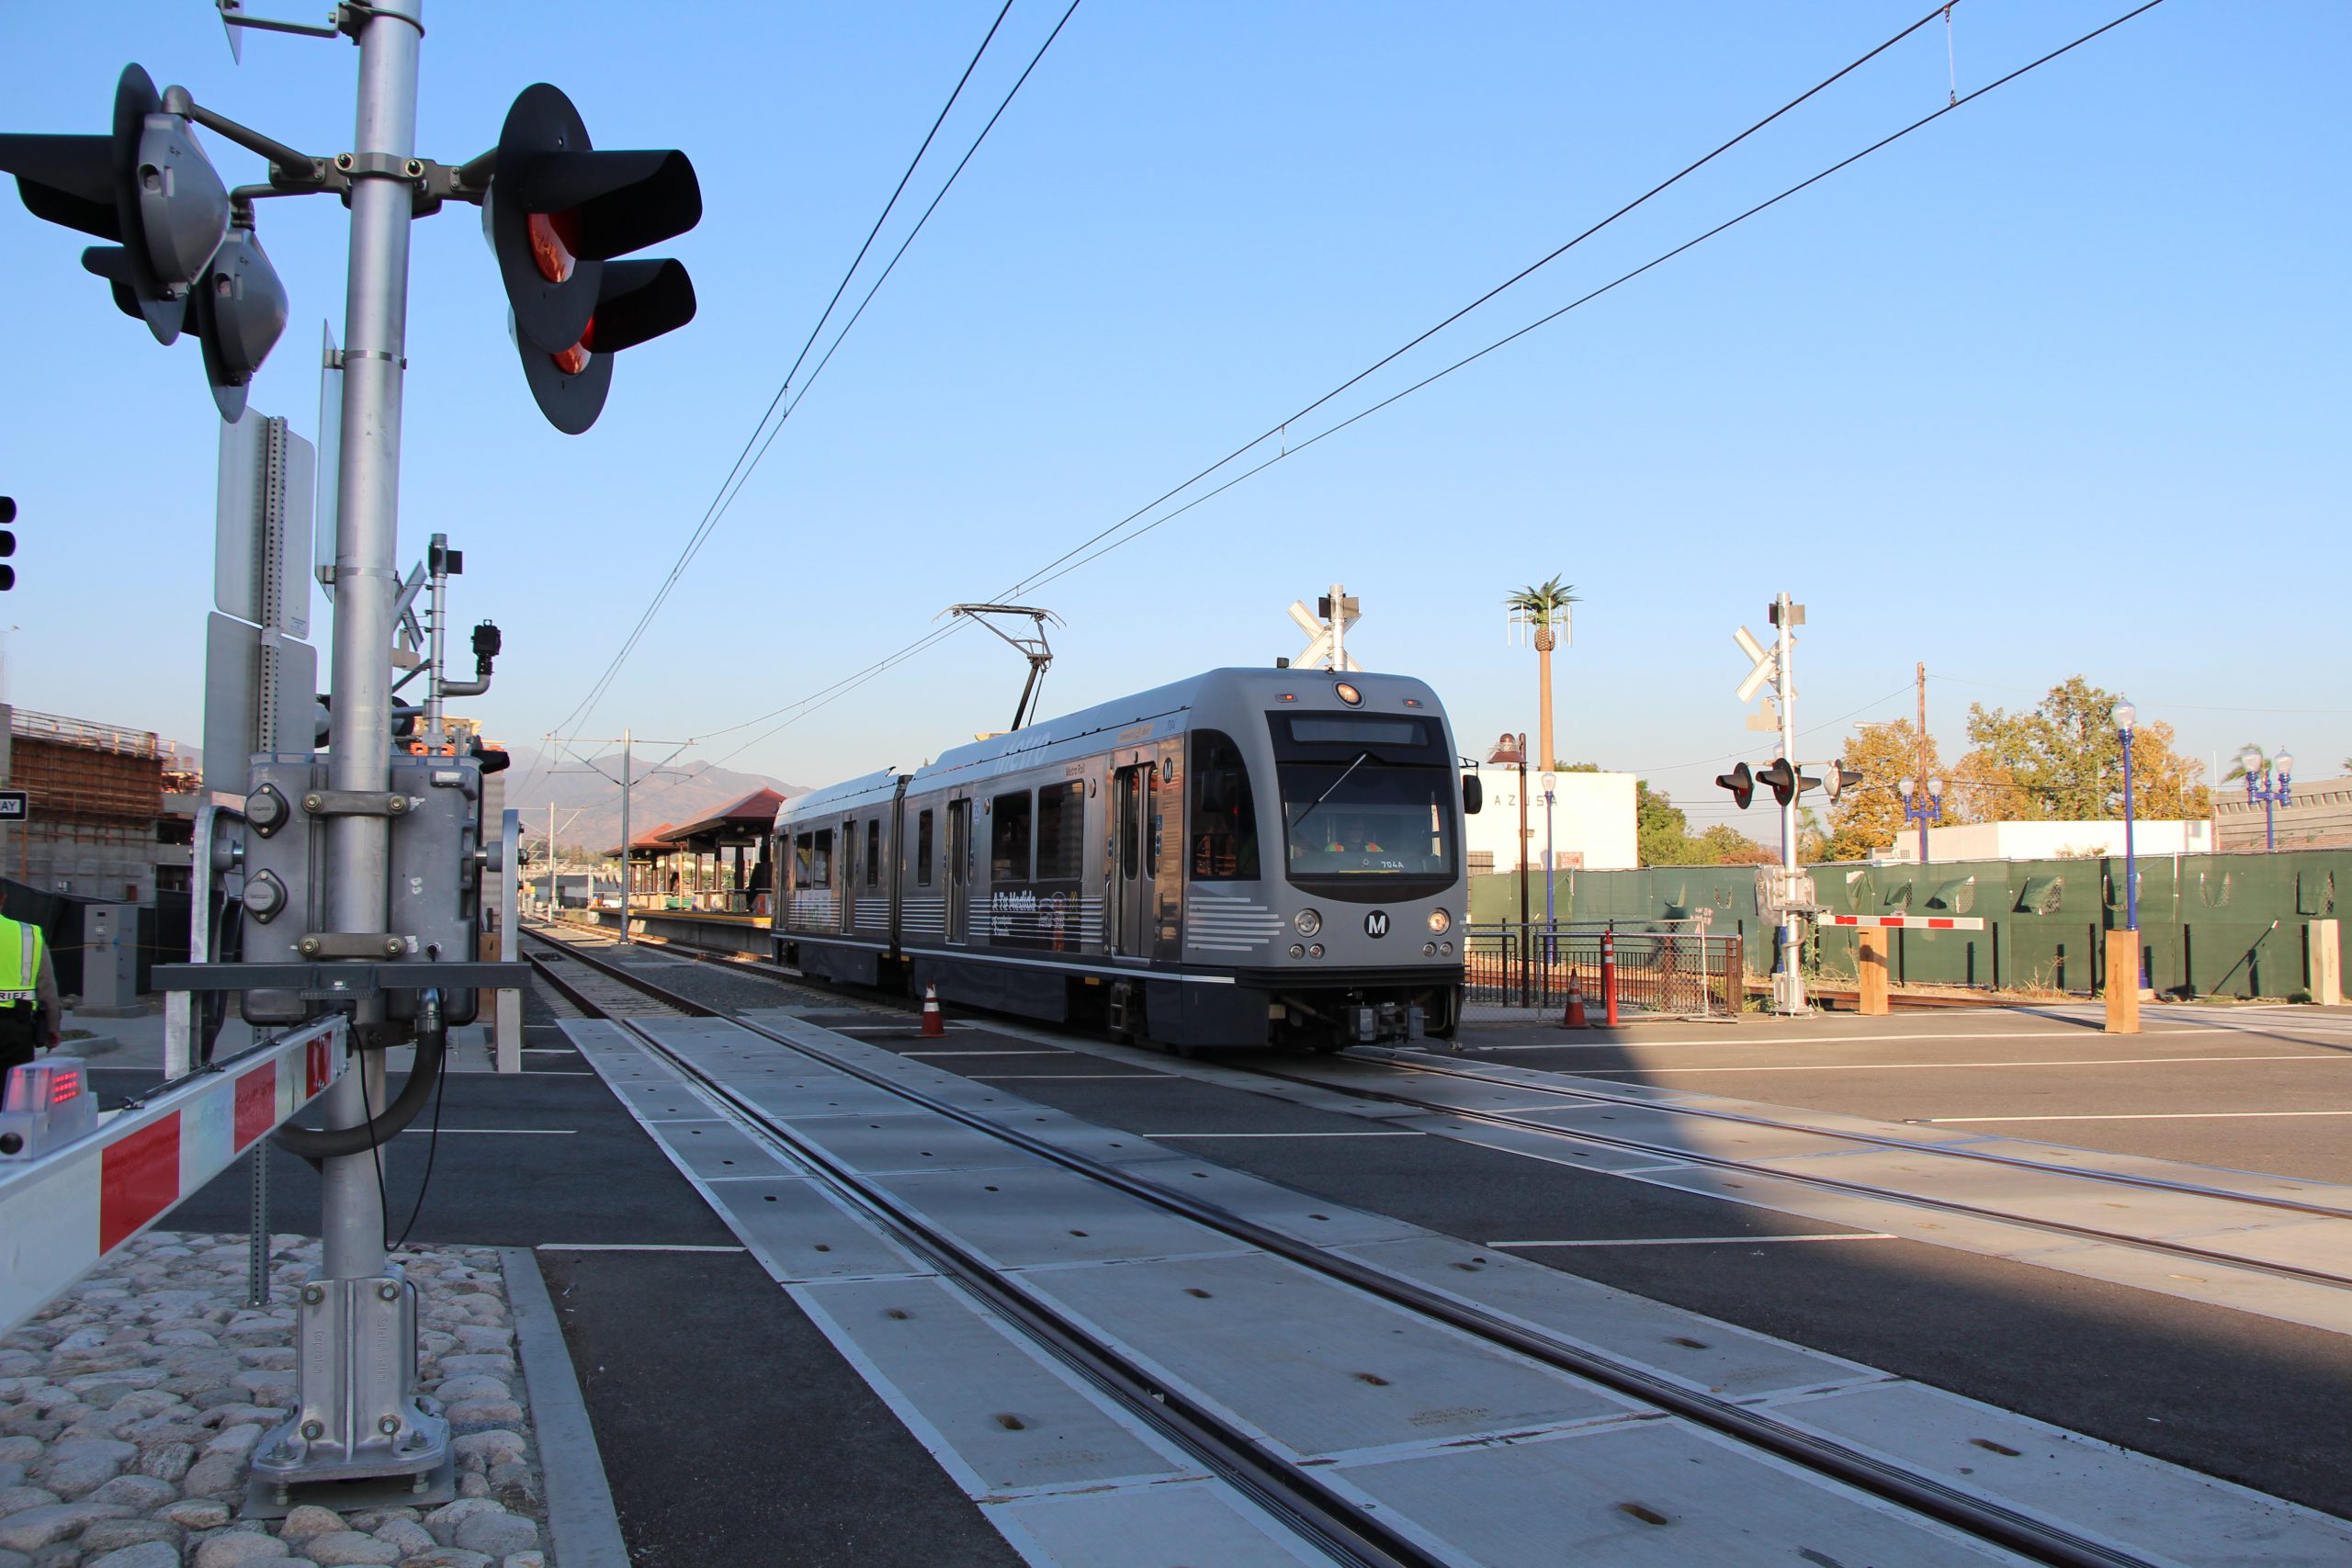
{"points": [[629, 862]]}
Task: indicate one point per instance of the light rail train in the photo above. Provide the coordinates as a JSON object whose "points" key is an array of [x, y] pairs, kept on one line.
{"points": [[1246, 858]]}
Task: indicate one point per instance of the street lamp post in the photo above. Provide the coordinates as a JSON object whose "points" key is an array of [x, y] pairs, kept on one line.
{"points": [[2275, 789], [1549, 858], [2125, 715], [2123, 975], [1928, 806]]}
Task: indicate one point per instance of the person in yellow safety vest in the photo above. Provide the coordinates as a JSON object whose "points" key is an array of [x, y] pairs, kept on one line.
{"points": [[29, 1011]]}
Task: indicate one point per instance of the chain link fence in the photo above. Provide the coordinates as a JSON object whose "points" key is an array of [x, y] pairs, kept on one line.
{"points": [[1522, 973]]}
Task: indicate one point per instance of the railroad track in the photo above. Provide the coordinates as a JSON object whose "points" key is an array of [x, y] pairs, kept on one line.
{"points": [[1293, 1492]]}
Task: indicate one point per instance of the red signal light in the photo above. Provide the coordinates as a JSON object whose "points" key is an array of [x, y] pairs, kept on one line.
{"points": [[554, 236], [63, 1086]]}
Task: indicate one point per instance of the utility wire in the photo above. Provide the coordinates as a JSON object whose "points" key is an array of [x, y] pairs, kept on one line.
{"points": [[765, 434]]}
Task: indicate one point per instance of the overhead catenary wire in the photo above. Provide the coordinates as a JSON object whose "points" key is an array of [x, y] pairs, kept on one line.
{"points": [[771, 421], [827, 694], [1030, 583], [1113, 537]]}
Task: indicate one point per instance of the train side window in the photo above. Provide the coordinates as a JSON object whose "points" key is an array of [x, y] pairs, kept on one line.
{"points": [[803, 860], [820, 859], [922, 848], [1009, 838], [1061, 829], [873, 851], [1223, 828]]}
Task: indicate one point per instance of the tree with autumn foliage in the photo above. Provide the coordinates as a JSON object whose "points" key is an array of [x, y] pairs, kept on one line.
{"points": [[2063, 761], [1869, 815]]}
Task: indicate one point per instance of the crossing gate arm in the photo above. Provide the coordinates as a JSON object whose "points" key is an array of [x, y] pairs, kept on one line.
{"points": [[1908, 922], [61, 1212]]}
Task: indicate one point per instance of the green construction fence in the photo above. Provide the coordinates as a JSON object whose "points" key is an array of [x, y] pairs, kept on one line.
{"points": [[2209, 925]]}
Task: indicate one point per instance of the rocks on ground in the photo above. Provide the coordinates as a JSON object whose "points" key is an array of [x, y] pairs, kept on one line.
{"points": [[130, 1408]]}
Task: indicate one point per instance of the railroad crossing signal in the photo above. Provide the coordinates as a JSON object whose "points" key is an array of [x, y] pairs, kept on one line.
{"points": [[557, 214], [1741, 783], [1783, 780], [7, 541], [1767, 663], [184, 256], [1837, 778], [1327, 626]]}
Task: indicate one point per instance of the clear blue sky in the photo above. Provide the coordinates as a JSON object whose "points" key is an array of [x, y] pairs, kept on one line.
{"points": [[2056, 384]]}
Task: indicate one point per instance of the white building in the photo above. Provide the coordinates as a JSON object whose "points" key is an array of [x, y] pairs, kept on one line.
{"points": [[1593, 822], [2048, 841]]}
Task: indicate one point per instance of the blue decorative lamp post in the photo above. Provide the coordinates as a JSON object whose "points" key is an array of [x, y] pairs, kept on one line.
{"points": [[2275, 788], [1922, 808]]}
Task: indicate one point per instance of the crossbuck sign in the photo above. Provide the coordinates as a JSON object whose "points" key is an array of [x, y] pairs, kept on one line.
{"points": [[1326, 647]]}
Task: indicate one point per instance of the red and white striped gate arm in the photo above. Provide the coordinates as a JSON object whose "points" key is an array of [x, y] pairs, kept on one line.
{"points": [[63, 1210], [1908, 922]]}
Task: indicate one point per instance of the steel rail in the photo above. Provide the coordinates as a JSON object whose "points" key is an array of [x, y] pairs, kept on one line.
{"points": [[1288, 1492], [1995, 1523]]}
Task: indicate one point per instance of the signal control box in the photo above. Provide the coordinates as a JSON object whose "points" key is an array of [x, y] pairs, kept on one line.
{"points": [[432, 815]]}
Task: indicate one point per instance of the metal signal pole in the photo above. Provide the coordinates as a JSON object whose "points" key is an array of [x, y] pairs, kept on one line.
{"points": [[1784, 615], [367, 581]]}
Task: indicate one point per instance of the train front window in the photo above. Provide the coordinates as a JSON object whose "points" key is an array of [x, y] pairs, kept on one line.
{"points": [[1363, 818], [1222, 830]]}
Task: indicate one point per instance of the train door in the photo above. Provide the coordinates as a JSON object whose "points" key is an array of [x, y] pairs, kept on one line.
{"points": [[959, 869], [851, 869], [1134, 804]]}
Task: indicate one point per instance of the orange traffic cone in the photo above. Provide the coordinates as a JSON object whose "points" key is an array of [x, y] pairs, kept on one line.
{"points": [[1574, 1018], [935, 1026]]}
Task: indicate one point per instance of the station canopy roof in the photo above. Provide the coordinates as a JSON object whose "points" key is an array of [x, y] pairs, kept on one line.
{"points": [[645, 846], [740, 823]]}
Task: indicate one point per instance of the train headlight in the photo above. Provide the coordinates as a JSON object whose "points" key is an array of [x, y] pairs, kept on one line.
{"points": [[1428, 950], [1297, 951], [1439, 922], [1446, 948], [1314, 952], [1308, 921]]}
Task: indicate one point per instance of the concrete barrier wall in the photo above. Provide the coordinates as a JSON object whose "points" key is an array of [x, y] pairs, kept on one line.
{"points": [[2211, 924]]}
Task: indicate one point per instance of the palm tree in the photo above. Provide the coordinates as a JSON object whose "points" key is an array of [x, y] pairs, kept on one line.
{"points": [[1540, 604]]}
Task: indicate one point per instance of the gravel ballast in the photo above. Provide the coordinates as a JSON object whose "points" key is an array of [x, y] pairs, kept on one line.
{"points": [[130, 1406]]}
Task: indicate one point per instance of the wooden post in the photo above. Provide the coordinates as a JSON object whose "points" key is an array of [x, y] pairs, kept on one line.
{"points": [[2123, 982], [1869, 963], [2324, 952]]}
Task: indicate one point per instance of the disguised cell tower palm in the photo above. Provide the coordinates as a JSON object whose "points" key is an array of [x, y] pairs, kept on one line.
{"points": [[1544, 605]]}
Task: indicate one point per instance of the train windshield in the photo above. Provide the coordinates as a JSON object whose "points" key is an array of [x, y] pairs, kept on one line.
{"points": [[1361, 818]]}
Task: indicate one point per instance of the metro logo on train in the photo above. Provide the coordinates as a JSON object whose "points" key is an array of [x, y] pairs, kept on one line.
{"points": [[1169, 865]]}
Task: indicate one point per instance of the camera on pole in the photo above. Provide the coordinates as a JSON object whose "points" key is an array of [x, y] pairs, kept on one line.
{"points": [[179, 260], [558, 215], [1741, 783], [1780, 778]]}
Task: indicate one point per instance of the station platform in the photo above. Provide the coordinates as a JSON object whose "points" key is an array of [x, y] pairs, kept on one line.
{"points": [[688, 928]]}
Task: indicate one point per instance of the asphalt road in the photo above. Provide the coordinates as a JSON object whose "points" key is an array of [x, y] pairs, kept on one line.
{"points": [[2266, 1089]]}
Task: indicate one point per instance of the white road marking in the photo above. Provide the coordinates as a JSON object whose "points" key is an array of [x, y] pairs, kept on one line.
{"points": [[500, 1132], [1888, 1067], [1704, 1240], [1002, 1077], [984, 1053], [1751, 1042], [624, 1246], [1282, 1135], [2145, 1116]]}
